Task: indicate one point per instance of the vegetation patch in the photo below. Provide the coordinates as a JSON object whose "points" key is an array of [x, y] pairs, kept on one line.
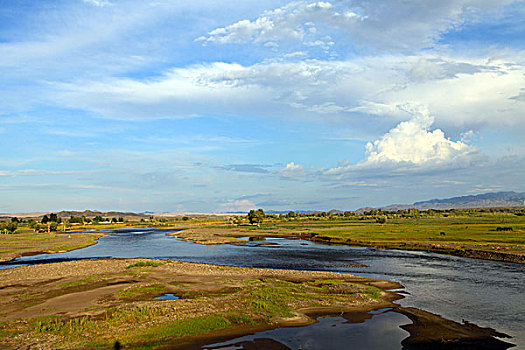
{"points": [[271, 300], [183, 328], [134, 292], [75, 283], [373, 292], [146, 264]]}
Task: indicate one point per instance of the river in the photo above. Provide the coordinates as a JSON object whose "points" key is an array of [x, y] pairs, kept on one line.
{"points": [[487, 293]]}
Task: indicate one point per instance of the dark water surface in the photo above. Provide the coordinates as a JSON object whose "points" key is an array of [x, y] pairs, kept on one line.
{"points": [[487, 293], [375, 330]]}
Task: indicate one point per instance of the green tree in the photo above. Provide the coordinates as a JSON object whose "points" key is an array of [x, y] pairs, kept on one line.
{"points": [[44, 220], [54, 217], [33, 225], [11, 227], [76, 220], [381, 219], [256, 216]]}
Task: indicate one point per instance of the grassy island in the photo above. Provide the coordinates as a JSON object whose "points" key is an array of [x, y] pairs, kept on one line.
{"points": [[95, 303]]}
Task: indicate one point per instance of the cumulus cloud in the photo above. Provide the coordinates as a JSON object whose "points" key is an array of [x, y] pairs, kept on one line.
{"points": [[292, 170], [390, 24], [413, 142], [411, 148]]}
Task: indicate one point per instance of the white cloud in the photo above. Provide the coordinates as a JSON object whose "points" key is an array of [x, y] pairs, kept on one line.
{"points": [[410, 149], [390, 24], [293, 21], [33, 172], [239, 205], [98, 3], [292, 170], [466, 93], [413, 142]]}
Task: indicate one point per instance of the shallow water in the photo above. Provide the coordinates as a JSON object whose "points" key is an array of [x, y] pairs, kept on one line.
{"points": [[167, 296], [487, 293], [356, 331]]}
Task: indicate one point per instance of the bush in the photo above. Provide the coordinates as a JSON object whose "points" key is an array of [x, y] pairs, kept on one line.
{"points": [[381, 219]]}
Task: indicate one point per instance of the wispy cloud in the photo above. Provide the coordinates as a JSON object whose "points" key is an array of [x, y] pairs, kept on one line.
{"points": [[455, 91], [98, 3], [242, 205], [393, 25], [247, 168], [119, 95]]}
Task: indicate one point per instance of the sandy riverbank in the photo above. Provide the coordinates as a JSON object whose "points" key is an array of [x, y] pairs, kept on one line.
{"points": [[94, 303], [58, 305]]}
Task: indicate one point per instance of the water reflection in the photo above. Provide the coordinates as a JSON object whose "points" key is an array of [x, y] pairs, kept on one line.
{"points": [[374, 330], [167, 296]]}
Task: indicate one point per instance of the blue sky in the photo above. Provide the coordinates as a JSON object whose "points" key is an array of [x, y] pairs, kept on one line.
{"points": [[214, 106]]}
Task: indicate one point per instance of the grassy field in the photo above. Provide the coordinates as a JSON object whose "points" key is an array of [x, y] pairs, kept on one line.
{"points": [[499, 236], [487, 234], [30, 243]]}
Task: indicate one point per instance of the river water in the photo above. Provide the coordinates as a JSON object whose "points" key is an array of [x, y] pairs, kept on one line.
{"points": [[487, 293]]}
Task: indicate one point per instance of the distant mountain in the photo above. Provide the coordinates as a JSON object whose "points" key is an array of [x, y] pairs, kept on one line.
{"points": [[485, 200], [93, 213], [69, 213]]}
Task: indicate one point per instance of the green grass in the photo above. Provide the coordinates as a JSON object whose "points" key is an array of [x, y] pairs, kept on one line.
{"points": [[146, 264], [373, 292], [271, 300], [193, 326], [481, 230], [150, 324], [75, 327], [138, 291], [237, 317], [6, 331], [75, 283], [274, 300], [161, 334]]}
